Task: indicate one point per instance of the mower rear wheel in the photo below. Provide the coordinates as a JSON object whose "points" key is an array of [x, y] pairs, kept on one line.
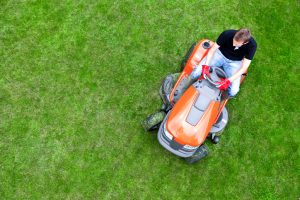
{"points": [[187, 56], [168, 84], [153, 121], [200, 153]]}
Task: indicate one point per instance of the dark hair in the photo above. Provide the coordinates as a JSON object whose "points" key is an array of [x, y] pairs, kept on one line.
{"points": [[243, 34]]}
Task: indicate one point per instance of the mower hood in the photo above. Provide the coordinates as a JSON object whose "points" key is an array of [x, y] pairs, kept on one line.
{"points": [[193, 115]]}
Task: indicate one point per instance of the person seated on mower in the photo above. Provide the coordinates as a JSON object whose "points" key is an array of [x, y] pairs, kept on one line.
{"points": [[233, 50]]}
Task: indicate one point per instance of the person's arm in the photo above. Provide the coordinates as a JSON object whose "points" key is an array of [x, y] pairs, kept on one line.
{"points": [[245, 65], [211, 52], [246, 61], [220, 41]]}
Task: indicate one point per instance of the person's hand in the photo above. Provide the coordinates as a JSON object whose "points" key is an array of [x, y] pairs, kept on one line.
{"points": [[224, 84], [205, 70]]}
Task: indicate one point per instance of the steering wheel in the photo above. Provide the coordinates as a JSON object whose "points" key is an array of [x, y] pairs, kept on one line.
{"points": [[216, 75]]}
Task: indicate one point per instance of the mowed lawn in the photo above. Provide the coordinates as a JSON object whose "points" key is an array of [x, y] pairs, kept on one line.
{"points": [[77, 78]]}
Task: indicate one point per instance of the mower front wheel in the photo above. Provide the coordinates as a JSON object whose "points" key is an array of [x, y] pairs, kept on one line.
{"points": [[200, 153], [153, 121]]}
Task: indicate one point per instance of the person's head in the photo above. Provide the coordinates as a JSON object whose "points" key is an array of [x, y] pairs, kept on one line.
{"points": [[241, 37]]}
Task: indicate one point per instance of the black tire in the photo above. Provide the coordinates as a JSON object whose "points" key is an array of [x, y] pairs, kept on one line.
{"points": [[200, 153], [167, 87], [153, 121], [187, 56], [216, 139], [183, 85]]}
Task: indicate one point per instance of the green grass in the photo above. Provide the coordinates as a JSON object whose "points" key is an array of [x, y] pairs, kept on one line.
{"points": [[78, 77]]}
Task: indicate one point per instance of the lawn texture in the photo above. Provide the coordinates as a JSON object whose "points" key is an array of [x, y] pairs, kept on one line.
{"points": [[77, 78]]}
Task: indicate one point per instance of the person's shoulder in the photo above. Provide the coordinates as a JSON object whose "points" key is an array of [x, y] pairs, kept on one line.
{"points": [[227, 34], [252, 42], [230, 32]]}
